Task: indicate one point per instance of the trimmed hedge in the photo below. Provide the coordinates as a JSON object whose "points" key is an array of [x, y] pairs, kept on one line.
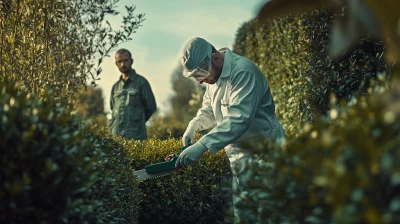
{"points": [[343, 168], [54, 170], [198, 194], [292, 52]]}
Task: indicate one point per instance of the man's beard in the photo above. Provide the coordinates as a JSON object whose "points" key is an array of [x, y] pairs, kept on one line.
{"points": [[124, 69]]}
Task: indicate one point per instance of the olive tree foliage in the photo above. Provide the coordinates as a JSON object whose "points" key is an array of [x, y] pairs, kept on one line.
{"points": [[59, 44]]}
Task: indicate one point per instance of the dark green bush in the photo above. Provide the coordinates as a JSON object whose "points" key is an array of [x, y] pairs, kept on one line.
{"points": [[343, 168], [54, 170], [198, 194], [292, 52], [118, 189]]}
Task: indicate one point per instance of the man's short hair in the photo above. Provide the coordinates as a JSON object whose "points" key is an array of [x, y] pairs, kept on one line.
{"points": [[122, 51]]}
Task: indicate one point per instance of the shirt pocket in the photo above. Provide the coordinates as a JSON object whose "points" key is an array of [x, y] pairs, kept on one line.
{"points": [[224, 107], [117, 95], [133, 98]]}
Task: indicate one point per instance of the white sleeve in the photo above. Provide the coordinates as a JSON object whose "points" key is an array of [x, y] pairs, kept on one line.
{"points": [[205, 117], [245, 96]]}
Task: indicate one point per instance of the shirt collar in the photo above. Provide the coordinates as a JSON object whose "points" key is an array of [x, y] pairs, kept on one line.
{"points": [[131, 75], [226, 69]]}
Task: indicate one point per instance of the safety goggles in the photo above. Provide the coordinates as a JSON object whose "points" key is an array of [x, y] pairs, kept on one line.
{"points": [[202, 72]]}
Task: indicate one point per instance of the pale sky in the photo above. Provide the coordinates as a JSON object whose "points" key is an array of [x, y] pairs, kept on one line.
{"points": [[169, 24]]}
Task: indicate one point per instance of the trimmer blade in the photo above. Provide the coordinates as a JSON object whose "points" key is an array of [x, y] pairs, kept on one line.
{"points": [[143, 175]]}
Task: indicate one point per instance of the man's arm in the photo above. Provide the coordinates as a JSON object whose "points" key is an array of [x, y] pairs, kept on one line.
{"points": [[112, 99], [148, 100], [244, 98], [205, 117]]}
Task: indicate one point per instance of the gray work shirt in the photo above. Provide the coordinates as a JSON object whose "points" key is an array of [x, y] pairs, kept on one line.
{"points": [[132, 103]]}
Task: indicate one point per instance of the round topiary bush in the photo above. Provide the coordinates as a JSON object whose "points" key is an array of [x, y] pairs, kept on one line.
{"points": [[53, 169]]}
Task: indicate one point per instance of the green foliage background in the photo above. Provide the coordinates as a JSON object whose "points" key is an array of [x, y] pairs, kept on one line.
{"points": [[90, 106], [292, 52], [53, 44]]}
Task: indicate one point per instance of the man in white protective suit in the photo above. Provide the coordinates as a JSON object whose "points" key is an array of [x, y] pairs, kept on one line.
{"points": [[237, 105]]}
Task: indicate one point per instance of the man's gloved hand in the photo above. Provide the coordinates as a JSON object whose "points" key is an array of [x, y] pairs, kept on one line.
{"points": [[188, 136], [190, 155]]}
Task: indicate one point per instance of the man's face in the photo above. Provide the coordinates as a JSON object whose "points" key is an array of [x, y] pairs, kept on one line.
{"points": [[205, 73], [211, 79], [201, 74], [214, 70], [124, 62]]}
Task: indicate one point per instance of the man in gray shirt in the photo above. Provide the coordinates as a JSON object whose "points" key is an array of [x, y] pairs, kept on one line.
{"points": [[132, 101]]}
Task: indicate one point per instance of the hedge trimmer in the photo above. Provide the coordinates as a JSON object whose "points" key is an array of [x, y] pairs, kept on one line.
{"points": [[159, 169]]}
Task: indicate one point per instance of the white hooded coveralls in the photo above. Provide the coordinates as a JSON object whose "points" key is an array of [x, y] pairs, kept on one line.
{"points": [[239, 106]]}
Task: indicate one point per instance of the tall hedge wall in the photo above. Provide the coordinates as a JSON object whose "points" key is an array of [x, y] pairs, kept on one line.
{"points": [[341, 166], [292, 53]]}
